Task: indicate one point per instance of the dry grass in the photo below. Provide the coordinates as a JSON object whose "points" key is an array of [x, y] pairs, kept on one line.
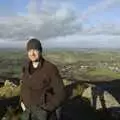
{"points": [[9, 90]]}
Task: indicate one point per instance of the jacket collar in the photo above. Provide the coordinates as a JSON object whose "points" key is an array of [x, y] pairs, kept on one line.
{"points": [[39, 66]]}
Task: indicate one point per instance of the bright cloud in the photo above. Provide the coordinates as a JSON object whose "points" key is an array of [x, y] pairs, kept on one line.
{"points": [[56, 19]]}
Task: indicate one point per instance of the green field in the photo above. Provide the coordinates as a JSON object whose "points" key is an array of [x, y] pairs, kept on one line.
{"points": [[80, 65], [104, 72], [11, 62]]}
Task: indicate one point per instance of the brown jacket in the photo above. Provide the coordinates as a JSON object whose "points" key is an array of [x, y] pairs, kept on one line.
{"points": [[44, 87]]}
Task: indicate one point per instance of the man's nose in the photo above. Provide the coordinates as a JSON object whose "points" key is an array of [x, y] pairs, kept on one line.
{"points": [[33, 54]]}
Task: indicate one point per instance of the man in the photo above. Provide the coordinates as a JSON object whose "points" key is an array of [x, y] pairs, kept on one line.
{"points": [[42, 90]]}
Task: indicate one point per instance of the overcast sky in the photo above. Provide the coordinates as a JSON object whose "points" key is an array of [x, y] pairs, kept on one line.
{"points": [[60, 23]]}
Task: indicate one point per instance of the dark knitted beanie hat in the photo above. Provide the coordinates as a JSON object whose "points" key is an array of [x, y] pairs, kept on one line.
{"points": [[34, 44]]}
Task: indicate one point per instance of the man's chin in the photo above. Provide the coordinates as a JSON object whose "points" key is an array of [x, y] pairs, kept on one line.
{"points": [[32, 60]]}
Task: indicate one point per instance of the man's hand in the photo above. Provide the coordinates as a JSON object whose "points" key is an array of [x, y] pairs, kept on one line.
{"points": [[23, 106]]}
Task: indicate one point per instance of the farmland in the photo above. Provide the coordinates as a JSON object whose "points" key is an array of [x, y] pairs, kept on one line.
{"points": [[95, 67], [81, 65]]}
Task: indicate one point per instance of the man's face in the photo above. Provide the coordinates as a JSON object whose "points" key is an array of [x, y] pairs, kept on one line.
{"points": [[33, 54]]}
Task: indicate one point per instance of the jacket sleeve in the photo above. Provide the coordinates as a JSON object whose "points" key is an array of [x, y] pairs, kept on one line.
{"points": [[58, 96], [22, 72]]}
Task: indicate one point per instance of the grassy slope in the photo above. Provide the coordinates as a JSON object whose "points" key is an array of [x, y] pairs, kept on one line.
{"points": [[11, 61], [104, 72]]}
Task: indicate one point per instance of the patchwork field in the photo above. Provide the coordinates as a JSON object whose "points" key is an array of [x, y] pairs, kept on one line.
{"points": [[89, 67]]}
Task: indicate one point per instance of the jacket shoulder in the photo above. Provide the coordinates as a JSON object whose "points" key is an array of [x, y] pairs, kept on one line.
{"points": [[51, 67]]}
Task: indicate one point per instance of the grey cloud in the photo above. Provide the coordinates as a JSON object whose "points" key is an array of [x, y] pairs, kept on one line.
{"points": [[44, 24], [104, 29], [51, 19], [82, 41], [72, 41]]}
